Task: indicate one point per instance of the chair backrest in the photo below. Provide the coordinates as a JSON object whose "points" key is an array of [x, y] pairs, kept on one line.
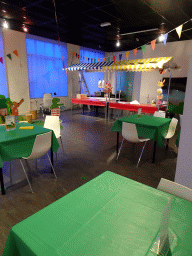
{"points": [[175, 189], [172, 128], [41, 145], [129, 132], [47, 100], [181, 117], [159, 114], [52, 123]]}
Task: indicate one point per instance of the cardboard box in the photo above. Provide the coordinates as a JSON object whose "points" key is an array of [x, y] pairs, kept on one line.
{"points": [[81, 96]]}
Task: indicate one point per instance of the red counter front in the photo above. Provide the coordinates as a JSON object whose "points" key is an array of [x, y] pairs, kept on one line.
{"points": [[145, 108], [89, 102]]}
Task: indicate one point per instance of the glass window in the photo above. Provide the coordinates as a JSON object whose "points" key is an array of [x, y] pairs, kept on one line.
{"points": [[45, 67]]}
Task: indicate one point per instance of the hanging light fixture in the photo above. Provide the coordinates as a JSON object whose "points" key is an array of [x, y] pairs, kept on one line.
{"points": [[118, 43], [161, 38], [5, 24], [25, 29]]}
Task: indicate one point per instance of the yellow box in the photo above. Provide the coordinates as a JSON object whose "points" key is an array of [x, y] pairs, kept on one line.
{"points": [[81, 96]]}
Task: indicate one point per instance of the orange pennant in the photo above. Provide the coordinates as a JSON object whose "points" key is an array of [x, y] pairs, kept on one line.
{"points": [[16, 53], [103, 59], [153, 43], [135, 51], [127, 55]]}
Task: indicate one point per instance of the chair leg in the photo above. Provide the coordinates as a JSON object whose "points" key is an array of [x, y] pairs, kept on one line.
{"points": [[10, 174], [26, 176], [167, 144], [51, 165], [141, 153], [120, 149], [62, 145]]}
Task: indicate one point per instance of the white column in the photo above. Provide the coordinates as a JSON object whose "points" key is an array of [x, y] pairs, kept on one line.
{"points": [[183, 174]]}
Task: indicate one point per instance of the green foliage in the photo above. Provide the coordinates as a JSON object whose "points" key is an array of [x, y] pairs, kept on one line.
{"points": [[9, 110]]}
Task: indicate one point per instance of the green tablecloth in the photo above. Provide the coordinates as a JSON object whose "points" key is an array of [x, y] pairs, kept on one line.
{"points": [[178, 139], [109, 215], [19, 143], [154, 128]]}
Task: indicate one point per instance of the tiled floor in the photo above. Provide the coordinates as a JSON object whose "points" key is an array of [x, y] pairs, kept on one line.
{"points": [[90, 149]]}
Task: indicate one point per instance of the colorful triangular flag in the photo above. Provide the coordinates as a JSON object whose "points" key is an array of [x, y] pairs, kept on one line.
{"points": [[94, 60], [120, 56], [179, 29], [127, 55], [114, 57], [1, 60], [165, 39], [153, 43], [98, 59], [76, 55], [9, 56], [91, 60], [103, 59], [16, 53], [108, 59], [143, 47], [88, 59], [135, 51]]}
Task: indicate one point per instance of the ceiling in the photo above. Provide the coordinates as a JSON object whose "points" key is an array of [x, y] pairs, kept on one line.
{"points": [[79, 20]]}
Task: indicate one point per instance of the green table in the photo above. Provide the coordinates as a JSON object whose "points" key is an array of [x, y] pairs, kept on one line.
{"points": [[178, 139], [18, 143], [109, 215], [154, 128]]}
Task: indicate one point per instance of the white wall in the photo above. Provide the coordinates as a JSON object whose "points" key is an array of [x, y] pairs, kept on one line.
{"points": [[184, 160], [180, 50], [17, 73]]}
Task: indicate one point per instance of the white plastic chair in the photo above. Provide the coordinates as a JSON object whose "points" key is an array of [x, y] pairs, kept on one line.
{"points": [[171, 131], [47, 102], [159, 114], [175, 189], [129, 132], [53, 123], [41, 146]]}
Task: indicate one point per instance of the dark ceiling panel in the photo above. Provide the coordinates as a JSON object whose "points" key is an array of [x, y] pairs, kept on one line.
{"points": [[79, 20]]}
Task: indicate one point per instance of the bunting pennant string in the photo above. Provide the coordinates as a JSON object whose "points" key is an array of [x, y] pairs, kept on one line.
{"points": [[16, 53], [153, 43], [135, 51], [94, 60], [9, 56], [114, 57], [98, 59], [1, 60], [103, 59], [179, 30], [120, 56], [91, 60], [108, 59], [143, 47], [127, 55], [165, 39]]}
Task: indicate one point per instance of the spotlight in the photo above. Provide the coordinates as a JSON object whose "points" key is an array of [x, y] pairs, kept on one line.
{"points": [[5, 24], [118, 43], [3, 11], [25, 29], [161, 38]]}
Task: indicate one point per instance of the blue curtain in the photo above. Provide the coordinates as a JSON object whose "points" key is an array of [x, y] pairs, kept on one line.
{"points": [[46, 61], [3, 79], [92, 78]]}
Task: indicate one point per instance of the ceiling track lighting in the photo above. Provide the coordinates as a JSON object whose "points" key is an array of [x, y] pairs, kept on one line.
{"points": [[25, 29], [105, 24]]}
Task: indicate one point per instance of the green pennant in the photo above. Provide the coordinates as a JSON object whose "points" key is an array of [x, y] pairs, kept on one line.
{"points": [[108, 59], [9, 56], [143, 47]]}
